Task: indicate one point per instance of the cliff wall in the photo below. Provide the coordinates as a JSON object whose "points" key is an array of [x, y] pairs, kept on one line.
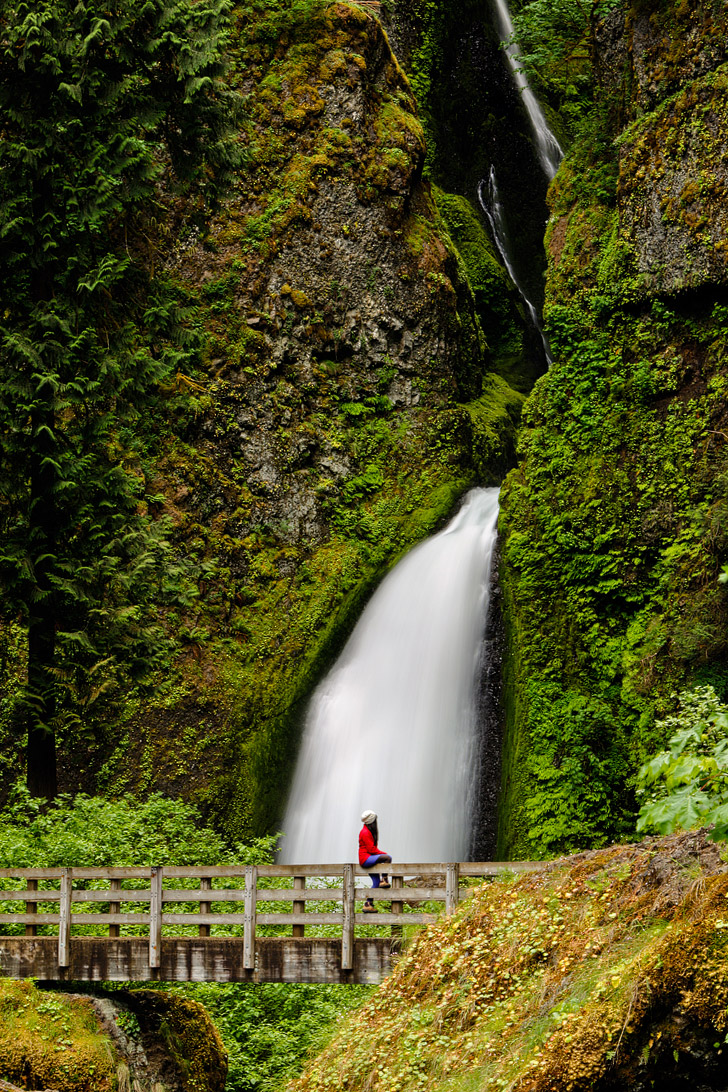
{"points": [[345, 400], [615, 521]]}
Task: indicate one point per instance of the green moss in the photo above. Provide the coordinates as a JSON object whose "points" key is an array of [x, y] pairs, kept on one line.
{"points": [[498, 305], [48, 1040]]}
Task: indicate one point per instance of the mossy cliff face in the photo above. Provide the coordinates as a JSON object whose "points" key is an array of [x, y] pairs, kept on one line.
{"points": [[605, 971], [344, 404], [474, 120], [615, 522]]}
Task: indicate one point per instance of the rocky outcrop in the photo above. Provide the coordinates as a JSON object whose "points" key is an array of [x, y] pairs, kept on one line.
{"points": [[165, 1042]]}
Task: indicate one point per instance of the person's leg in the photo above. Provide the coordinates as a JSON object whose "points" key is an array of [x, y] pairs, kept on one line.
{"points": [[371, 860]]}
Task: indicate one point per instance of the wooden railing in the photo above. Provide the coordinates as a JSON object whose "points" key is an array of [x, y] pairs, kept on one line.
{"points": [[142, 901]]}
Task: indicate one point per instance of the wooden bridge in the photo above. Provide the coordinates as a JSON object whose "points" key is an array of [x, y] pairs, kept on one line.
{"points": [[184, 924]]}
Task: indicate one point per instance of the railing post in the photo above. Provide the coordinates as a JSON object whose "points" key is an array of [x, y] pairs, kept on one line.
{"points": [[31, 908], [114, 908], [299, 884], [64, 926], [452, 888], [397, 904], [155, 917], [205, 907], [347, 927], [251, 880]]}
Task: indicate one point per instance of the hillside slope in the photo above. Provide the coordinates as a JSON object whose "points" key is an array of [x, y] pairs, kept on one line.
{"points": [[607, 970]]}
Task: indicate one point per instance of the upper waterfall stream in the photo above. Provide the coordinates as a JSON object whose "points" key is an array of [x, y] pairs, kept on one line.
{"points": [[547, 146], [393, 726]]}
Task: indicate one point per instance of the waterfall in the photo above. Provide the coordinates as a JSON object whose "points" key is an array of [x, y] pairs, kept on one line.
{"points": [[393, 726], [547, 146], [493, 210]]}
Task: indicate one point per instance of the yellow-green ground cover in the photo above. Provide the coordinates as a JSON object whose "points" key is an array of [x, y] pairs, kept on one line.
{"points": [[605, 970]]}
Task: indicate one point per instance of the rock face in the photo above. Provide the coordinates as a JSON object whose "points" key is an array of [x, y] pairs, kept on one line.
{"points": [[346, 400], [606, 970], [165, 1042], [616, 519]]}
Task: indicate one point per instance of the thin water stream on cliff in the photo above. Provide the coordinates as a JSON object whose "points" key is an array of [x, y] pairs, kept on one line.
{"points": [[394, 725], [547, 146], [549, 155], [493, 209]]}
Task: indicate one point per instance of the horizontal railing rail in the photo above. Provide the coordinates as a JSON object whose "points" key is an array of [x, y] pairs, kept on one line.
{"points": [[253, 905]]}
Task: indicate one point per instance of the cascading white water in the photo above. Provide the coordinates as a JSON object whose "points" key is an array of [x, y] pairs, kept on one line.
{"points": [[547, 146], [493, 210], [393, 726]]}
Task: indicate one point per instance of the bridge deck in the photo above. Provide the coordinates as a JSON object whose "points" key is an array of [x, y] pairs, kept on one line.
{"points": [[192, 930]]}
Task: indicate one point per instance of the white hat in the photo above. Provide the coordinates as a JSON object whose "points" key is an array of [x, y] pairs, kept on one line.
{"points": [[368, 816]]}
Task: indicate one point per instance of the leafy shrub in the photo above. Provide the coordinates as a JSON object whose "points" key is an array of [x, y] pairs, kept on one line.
{"points": [[687, 785]]}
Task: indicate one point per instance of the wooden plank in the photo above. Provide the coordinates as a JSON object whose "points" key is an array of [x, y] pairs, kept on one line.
{"points": [[122, 872], [299, 907], [155, 916], [64, 923], [495, 868], [106, 895], [312, 894], [347, 925], [397, 905], [130, 872], [30, 894], [205, 907], [251, 879], [114, 907], [395, 919], [104, 918], [452, 890], [29, 919], [300, 919], [411, 894], [31, 908]]}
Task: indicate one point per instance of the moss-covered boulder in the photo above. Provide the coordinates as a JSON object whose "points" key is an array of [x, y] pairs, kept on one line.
{"points": [[48, 1040]]}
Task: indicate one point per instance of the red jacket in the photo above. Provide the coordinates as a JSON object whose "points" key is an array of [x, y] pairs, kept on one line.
{"points": [[366, 845]]}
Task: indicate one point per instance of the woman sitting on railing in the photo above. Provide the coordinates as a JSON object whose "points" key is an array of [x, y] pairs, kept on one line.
{"points": [[370, 854]]}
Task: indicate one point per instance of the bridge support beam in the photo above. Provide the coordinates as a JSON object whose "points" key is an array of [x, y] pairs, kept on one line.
{"points": [[196, 959]]}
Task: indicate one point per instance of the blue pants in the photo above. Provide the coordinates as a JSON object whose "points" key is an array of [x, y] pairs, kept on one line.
{"points": [[373, 859]]}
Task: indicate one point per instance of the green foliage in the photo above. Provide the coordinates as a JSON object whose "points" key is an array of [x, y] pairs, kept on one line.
{"points": [[686, 786], [270, 1030], [101, 105], [87, 831], [558, 45]]}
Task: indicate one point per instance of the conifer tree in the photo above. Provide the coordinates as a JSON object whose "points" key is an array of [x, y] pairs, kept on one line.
{"points": [[103, 103]]}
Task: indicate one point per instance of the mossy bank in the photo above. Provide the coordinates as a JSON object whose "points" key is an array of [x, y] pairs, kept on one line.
{"points": [[604, 971]]}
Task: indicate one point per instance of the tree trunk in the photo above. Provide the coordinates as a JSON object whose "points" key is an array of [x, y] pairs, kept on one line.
{"points": [[41, 707], [42, 532]]}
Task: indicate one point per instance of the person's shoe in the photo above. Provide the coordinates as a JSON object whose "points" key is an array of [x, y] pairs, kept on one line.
{"points": [[369, 907], [384, 882]]}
